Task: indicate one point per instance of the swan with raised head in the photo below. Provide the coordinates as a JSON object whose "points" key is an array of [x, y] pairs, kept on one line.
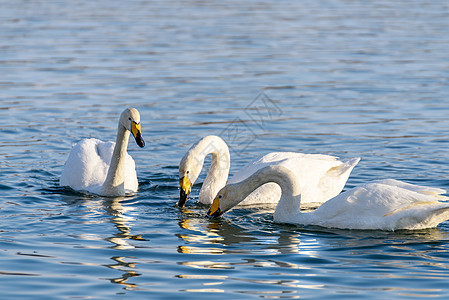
{"points": [[383, 204], [320, 176], [105, 168]]}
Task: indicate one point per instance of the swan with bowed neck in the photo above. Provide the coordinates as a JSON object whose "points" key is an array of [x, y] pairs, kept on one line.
{"points": [[382, 205], [320, 176], [105, 168]]}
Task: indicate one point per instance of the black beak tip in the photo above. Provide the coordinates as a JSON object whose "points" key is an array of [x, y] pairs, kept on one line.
{"points": [[214, 215], [139, 140], [182, 198], [181, 202]]}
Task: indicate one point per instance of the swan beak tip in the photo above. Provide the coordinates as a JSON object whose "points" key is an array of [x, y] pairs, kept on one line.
{"points": [[139, 140], [214, 210], [184, 192], [137, 133], [183, 196]]}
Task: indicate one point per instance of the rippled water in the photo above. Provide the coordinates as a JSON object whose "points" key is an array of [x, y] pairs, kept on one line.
{"points": [[339, 77]]}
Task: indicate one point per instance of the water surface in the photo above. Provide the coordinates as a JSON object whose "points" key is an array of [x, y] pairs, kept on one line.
{"points": [[337, 77]]}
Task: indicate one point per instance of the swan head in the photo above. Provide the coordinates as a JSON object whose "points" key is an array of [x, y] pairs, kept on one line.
{"points": [[130, 119], [192, 163], [189, 170], [225, 200]]}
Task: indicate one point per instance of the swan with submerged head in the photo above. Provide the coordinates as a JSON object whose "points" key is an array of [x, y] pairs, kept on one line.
{"points": [[381, 205], [320, 176]]}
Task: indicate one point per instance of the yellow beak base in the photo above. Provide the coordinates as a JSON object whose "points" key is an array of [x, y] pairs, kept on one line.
{"points": [[137, 134], [214, 210]]}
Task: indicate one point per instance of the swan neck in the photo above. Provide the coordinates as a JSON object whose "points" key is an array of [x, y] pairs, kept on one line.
{"points": [[115, 180], [218, 172], [290, 201]]}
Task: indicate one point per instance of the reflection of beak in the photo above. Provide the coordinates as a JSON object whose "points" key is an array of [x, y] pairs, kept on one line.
{"points": [[186, 187], [137, 133], [214, 210]]}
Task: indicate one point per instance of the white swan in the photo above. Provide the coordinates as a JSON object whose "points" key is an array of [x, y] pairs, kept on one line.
{"points": [[320, 176], [105, 168], [384, 204]]}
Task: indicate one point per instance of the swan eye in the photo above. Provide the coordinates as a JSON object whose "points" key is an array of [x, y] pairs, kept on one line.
{"points": [[220, 196]]}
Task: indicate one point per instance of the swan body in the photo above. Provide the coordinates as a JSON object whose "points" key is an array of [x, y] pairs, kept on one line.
{"points": [[105, 168], [381, 205], [320, 176]]}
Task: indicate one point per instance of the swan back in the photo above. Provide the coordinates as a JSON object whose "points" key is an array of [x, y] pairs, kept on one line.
{"points": [[384, 204], [320, 176], [87, 164], [87, 167]]}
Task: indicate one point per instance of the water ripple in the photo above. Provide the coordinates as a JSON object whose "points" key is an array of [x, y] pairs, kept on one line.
{"points": [[343, 78]]}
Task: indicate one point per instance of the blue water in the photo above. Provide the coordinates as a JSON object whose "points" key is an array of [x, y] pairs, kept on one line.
{"points": [[346, 78]]}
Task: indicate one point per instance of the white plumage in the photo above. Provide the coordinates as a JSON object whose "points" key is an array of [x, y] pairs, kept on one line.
{"points": [[383, 204], [88, 164], [320, 176], [105, 168]]}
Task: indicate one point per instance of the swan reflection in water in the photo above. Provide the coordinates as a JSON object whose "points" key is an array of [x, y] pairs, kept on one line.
{"points": [[118, 211], [219, 236], [121, 240], [121, 220], [212, 237], [258, 242]]}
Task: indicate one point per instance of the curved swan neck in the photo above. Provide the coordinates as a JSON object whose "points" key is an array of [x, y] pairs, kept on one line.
{"points": [[291, 196], [115, 180], [219, 169]]}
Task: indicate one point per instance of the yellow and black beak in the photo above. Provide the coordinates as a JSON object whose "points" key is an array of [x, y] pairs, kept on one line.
{"points": [[214, 210], [186, 187], [137, 133]]}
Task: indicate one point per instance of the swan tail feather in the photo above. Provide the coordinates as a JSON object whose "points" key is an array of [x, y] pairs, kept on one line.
{"points": [[429, 218]]}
